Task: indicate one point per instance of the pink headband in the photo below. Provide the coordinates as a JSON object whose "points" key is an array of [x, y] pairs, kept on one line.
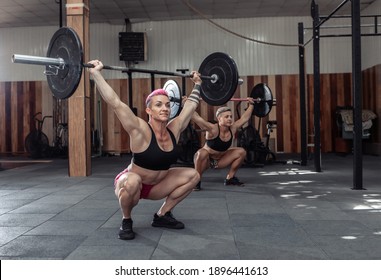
{"points": [[155, 92]]}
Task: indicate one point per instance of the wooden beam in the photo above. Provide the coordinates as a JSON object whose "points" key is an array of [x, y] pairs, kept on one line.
{"points": [[77, 12]]}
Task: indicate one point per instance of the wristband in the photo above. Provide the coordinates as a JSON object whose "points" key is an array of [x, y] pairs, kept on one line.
{"points": [[197, 88], [194, 97]]}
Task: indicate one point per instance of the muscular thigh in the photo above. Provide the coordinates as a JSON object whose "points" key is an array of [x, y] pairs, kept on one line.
{"points": [[201, 155], [130, 182], [176, 177], [228, 157]]}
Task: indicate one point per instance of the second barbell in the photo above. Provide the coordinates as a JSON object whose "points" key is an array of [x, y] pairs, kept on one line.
{"points": [[261, 94]]}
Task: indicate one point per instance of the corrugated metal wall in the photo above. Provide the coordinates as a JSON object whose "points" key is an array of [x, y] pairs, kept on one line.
{"points": [[29, 41], [184, 44], [371, 46], [187, 43]]}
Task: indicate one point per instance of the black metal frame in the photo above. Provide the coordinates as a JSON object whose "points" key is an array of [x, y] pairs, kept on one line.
{"points": [[356, 85], [316, 63], [357, 96], [302, 86]]}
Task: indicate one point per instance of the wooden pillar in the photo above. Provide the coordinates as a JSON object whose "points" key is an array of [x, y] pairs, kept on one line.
{"points": [[77, 12]]}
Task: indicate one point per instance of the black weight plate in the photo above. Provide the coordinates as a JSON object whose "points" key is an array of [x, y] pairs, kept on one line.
{"points": [[263, 92], [65, 44], [224, 67], [173, 90]]}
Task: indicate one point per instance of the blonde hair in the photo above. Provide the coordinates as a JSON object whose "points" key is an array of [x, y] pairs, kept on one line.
{"points": [[222, 110]]}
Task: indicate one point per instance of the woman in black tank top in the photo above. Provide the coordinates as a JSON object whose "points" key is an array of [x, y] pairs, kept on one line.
{"points": [[150, 174], [217, 144], [218, 151]]}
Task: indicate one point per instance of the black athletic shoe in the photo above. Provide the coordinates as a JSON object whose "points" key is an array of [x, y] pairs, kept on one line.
{"points": [[167, 221], [233, 181], [125, 231], [197, 187]]}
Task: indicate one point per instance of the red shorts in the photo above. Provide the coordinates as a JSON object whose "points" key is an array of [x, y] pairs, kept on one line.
{"points": [[145, 188]]}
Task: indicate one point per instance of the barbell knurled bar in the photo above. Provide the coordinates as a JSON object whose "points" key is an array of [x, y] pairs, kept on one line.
{"points": [[256, 100], [60, 62]]}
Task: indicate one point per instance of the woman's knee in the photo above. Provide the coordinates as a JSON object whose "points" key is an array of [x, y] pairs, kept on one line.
{"points": [[201, 155], [242, 152], [195, 176], [192, 176], [129, 183], [238, 152]]}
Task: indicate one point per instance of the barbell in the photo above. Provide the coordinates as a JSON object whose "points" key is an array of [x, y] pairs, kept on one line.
{"points": [[64, 64], [261, 93]]}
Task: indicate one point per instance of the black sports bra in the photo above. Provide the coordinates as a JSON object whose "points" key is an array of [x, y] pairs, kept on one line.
{"points": [[154, 158], [217, 144]]}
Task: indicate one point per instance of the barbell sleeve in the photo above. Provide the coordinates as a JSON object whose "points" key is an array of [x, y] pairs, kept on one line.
{"points": [[37, 60]]}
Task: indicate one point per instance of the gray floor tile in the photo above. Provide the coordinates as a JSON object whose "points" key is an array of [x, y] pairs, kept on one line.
{"points": [[115, 220], [60, 198], [194, 226], [45, 208], [9, 233], [308, 203], [23, 220], [97, 203], [335, 227], [202, 209], [195, 247], [84, 214], [10, 184], [66, 228], [144, 236], [350, 247], [5, 210], [262, 219], [266, 252], [8, 192], [104, 193], [111, 252], [306, 213], [370, 218], [27, 195], [14, 203], [41, 247], [272, 236]]}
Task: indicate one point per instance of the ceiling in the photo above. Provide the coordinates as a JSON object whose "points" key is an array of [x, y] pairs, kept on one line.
{"points": [[21, 13]]}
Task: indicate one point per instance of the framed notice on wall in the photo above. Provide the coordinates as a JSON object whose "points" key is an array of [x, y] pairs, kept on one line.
{"points": [[132, 46]]}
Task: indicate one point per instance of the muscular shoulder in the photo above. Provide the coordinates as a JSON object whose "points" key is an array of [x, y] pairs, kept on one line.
{"points": [[140, 136], [213, 131], [234, 129]]}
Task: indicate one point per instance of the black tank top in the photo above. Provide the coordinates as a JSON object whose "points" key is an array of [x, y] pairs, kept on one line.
{"points": [[155, 158], [217, 144]]}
